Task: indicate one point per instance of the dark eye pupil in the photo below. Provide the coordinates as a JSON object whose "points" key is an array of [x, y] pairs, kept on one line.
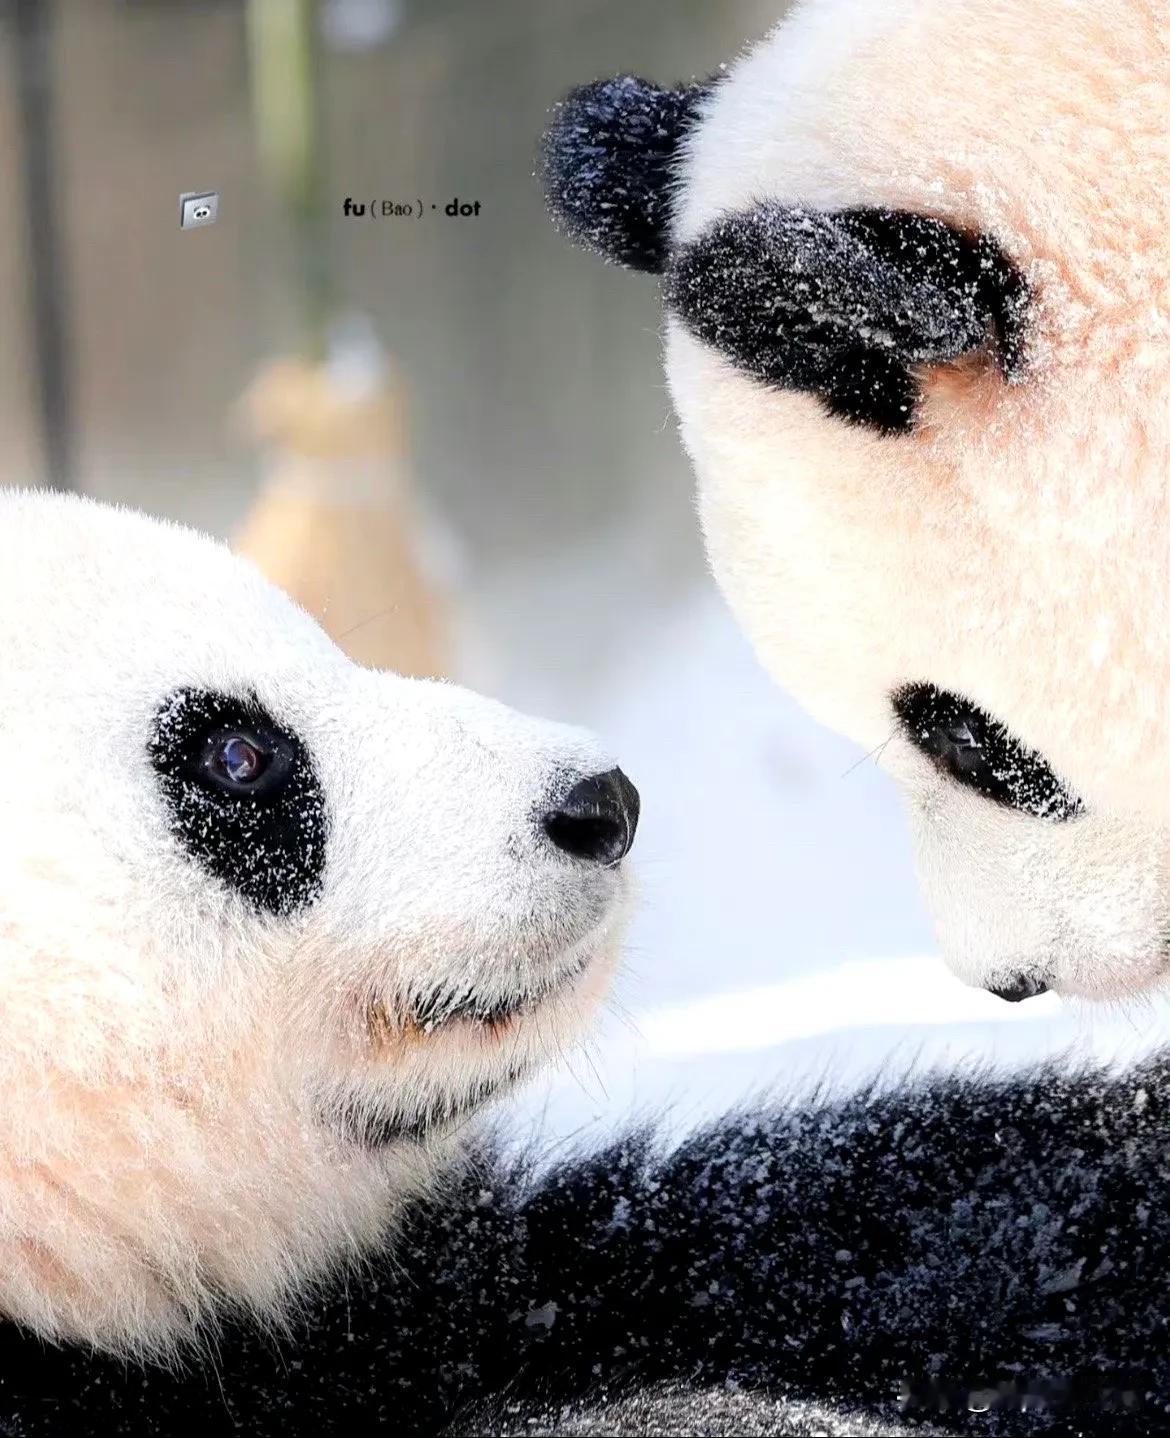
{"points": [[960, 735], [245, 761], [241, 760]]}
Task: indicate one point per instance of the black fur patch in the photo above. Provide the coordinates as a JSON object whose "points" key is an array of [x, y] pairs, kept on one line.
{"points": [[607, 166], [268, 846], [978, 751], [842, 305], [943, 1252]]}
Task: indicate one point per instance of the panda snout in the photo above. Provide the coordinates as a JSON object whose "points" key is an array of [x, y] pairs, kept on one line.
{"points": [[596, 819]]}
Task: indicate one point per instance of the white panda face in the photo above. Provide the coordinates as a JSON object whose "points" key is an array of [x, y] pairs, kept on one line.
{"points": [[274, 926], [1030, 888], [916, 282]]}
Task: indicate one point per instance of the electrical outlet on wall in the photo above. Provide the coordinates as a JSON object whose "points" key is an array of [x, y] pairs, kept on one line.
{"points": [[198, 208]]}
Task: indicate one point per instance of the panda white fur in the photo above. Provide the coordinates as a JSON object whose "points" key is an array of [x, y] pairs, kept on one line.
{"points": [[275, 926], [238, 1052], [917, 282], [269, 920]]}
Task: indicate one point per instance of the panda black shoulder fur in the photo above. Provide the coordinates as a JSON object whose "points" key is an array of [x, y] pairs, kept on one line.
{"points": [[275, 926]]}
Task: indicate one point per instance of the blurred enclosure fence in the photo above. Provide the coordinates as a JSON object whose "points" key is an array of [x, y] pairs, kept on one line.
{"points": [[539, 424]]}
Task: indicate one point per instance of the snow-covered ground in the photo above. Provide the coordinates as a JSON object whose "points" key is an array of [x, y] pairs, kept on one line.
{"points": [[780, 939]]}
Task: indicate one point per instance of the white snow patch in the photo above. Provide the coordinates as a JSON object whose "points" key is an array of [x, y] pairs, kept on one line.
{"points": [[860, 993]]}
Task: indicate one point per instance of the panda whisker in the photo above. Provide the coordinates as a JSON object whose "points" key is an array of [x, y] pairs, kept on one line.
{"points": [[875, 753], [369, 619], [625, 1016]]}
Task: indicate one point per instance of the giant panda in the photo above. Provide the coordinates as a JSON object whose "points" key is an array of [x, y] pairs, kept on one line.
{"points": [[915, 275], [275, 927], [916, 279]]}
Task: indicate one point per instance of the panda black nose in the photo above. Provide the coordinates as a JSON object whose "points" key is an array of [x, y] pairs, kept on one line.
{"points": [[1019, 988], [596, 819]]}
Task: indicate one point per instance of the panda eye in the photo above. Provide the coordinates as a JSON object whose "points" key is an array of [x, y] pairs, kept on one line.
{"points": [[977, 751], [245, 762]]}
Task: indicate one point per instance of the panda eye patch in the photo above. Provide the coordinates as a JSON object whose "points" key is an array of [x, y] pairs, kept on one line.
{"points": [[847, 305], [241, 796], [979, 752]]}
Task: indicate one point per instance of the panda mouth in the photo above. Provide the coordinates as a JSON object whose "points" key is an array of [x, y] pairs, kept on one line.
{"points": [[449, 1008], [373, 1129], [426, 1018]]}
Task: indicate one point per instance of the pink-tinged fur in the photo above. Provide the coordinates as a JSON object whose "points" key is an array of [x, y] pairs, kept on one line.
{"points": [[173, 1061], [1016, 547]]}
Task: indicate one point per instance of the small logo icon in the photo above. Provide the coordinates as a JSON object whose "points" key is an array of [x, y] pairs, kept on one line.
{"points": [[198, 208]]}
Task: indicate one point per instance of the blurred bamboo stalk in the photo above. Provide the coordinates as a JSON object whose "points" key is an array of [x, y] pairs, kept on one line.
{"points": [[33, 57], [335, 521], [284, 54]]}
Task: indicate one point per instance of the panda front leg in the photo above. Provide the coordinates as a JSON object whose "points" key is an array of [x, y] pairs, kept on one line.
{"points": [[967, 1254]]}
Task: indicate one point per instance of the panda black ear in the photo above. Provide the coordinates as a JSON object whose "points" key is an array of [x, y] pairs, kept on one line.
{"points": [[607, 166]]}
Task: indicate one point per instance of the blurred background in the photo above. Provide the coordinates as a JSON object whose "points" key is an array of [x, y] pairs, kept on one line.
{"points": [[449, 435]]}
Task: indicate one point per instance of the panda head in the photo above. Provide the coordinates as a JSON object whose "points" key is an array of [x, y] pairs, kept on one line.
{"points": [[917, 287], [274, 926]]}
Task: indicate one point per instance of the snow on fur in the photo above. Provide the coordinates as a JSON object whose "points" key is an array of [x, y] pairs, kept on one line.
{"points": [[953, 1254], [211, 1103], [916, 292]]}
